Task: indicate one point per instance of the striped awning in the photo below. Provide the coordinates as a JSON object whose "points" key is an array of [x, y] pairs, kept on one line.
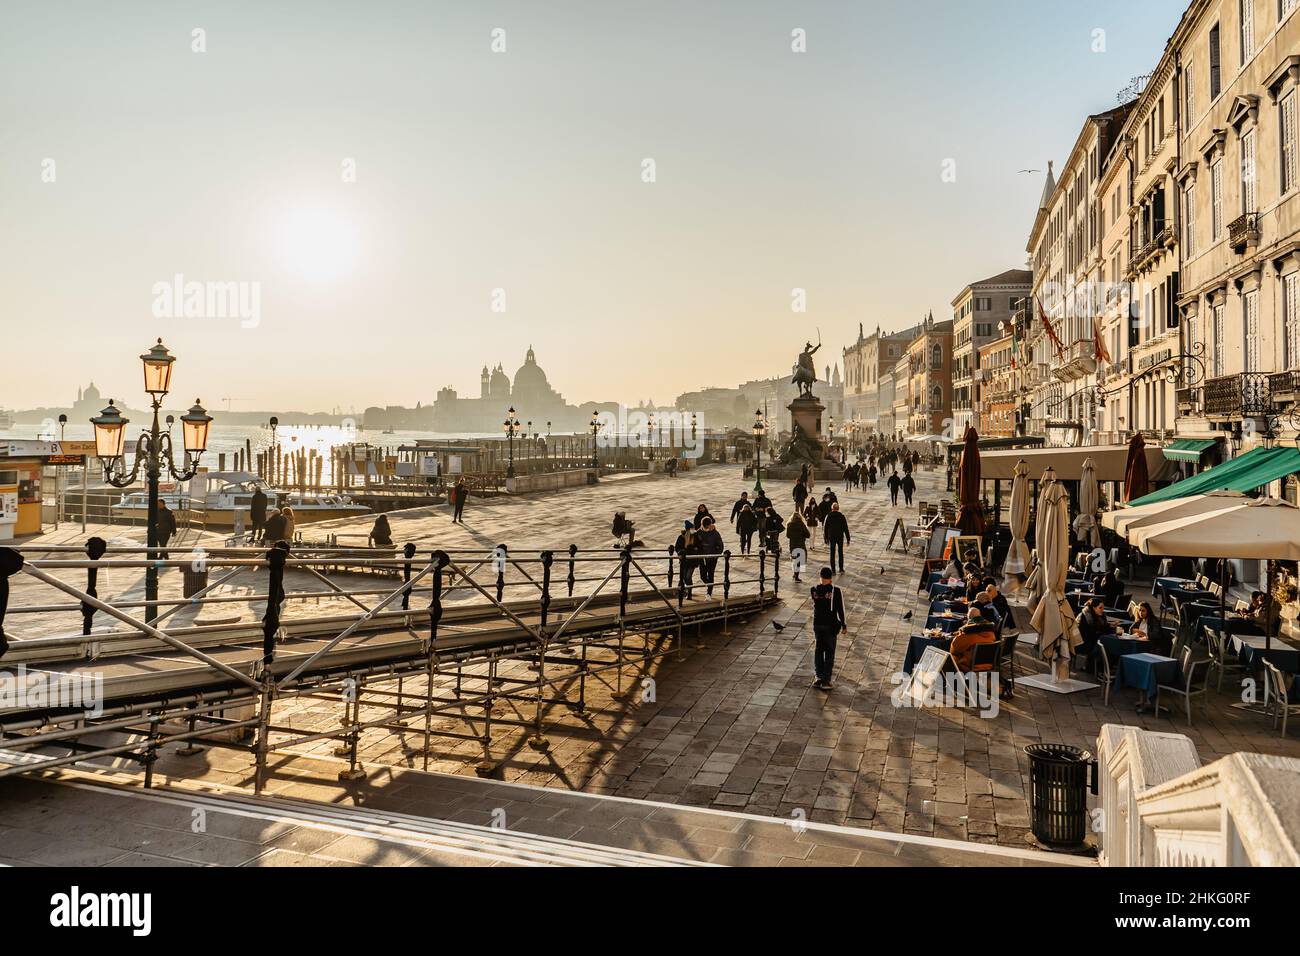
{"points": [[1189, 449]]}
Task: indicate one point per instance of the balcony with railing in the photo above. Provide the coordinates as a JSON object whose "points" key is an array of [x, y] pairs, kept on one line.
{"points": [[1189, 400], [1078, 360], [1243, 232], [1232, 397], [1163, 236], [1284, 387]]}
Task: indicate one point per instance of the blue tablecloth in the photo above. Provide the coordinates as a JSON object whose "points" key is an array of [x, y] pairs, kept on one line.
{"points": [[939, 590], [1117, 646], [916, 646], [1236, 625], [948, 624], [938, 607], [1147, 671], [1162, 583]]}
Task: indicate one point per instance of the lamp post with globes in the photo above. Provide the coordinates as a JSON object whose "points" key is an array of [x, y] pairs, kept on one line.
{"points": [[153, 450], [511, 427], [760, 429], [595, 429], [650, 434]]}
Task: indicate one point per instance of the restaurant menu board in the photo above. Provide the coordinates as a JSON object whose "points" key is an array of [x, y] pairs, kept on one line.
{"points": [[928, 673]]}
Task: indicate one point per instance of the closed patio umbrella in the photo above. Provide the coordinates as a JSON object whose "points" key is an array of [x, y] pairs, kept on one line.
{"points": [[1087, 529], [1137, 479], [1017, 561], [1053, 618], [971, 517]]}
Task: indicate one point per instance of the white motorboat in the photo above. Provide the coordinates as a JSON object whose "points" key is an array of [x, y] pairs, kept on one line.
{"points": [[217, 498]]}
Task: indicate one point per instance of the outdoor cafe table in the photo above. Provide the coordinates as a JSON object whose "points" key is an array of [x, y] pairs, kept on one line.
{"points": [[939, 590], [1119, 645], [1146, 672], [1236, 625], [916, 647], [1161, 584], [1249, 649], [944, 623]]}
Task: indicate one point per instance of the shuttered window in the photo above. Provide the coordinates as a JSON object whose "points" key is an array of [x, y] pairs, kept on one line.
{"points": [[1248, 173], [1216, 200], [1250, 306], [1189, 220], [1215, 80], [1287, 110], [1217, 331], [1247, 30], [1291, 318]]}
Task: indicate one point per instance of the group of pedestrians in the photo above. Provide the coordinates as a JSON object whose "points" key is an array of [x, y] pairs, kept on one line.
{"points": [[269, 524]]}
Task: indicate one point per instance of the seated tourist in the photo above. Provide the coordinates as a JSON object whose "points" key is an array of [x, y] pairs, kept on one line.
{"points": [[1261, 606], [977, 630], [953, 570], [972, 565], [1109, 587], [1093, 623], [997, 598]]}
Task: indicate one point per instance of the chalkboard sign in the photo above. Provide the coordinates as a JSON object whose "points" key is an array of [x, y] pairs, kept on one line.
{"points": [[899, 528], [928, 673]]}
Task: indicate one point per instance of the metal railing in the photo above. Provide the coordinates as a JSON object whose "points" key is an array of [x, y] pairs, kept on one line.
{"points": [[1244, 395], [567, 614], [1243, 230]]}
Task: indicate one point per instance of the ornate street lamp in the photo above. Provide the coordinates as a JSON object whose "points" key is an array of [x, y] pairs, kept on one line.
{"points": [[650, 433], [595, 427], [511, 428], [760, 429], [153, 450]]}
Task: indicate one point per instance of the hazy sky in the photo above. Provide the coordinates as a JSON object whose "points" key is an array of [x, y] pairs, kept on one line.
{"points": [[519, 171]]}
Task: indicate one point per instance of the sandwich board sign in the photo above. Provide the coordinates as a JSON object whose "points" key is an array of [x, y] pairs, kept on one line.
{"points": [[927, 677]]}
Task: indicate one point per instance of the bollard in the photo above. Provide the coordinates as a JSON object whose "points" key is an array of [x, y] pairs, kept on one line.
{"points": [[95, 549]]}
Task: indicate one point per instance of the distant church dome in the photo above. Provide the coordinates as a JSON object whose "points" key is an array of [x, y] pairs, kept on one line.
{"points": [[91, 393], [500, 384], [530, 380]]}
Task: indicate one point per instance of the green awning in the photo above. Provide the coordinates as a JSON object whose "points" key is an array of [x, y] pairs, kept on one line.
{"points": [[1189, 449], [1245, 473]]}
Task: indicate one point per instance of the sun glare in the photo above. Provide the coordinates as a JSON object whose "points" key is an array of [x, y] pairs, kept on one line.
{"points": [[316, 243]]}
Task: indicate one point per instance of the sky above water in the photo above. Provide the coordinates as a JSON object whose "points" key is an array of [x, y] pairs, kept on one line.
{"points": [[365, 202]]}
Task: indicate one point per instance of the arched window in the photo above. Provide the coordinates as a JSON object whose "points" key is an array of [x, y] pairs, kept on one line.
{"points": [[936, 396], [936, 356]]}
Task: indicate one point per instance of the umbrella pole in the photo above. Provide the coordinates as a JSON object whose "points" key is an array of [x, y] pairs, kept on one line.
{"points": [[1268, 610]]}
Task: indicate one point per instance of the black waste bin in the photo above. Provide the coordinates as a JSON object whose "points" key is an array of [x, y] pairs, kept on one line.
{"points": [[193, 581], [1058, 794]]}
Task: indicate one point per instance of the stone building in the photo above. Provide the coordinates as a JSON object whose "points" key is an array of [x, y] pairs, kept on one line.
{"points": [[866, 361], [980, 313]]}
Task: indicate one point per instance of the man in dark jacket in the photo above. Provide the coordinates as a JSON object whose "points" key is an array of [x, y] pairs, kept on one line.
{"points": [[762, 502], [837, 534], [257, 513], [800, 495], [909, 487], [274, 529], [166, 526], [746, 525], [773, 525], [1093, 623], [459, 495], [739, 505], [828, 622], [709, 542], [894, 483]]}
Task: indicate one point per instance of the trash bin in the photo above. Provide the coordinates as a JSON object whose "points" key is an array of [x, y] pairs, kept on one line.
{"points": [[1058, 794], [192, 582]]}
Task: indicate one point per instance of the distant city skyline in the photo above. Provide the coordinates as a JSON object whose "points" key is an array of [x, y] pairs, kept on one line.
{"points": [[356, 195]]}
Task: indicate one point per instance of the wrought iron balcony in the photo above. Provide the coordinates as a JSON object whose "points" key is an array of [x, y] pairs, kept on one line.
{"points": [[1246, 395], [1189, 400], [1244, 231], [1285, 386], [1164, 235]]}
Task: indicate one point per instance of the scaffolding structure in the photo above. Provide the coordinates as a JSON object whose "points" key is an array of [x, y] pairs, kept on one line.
{"points": [[581, 613]]}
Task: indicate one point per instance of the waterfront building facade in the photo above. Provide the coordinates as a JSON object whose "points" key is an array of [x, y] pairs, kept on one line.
{"points": [[980, 314]]}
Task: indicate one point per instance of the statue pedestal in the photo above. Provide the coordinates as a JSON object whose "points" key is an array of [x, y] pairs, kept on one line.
{"points": [[806, 416]]}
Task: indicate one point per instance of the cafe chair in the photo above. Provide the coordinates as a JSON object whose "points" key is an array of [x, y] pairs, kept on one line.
{"points": [[1009, 639], [1191, 683], [1241, 606], [1218, 658], [1101, 662], [985, 658], [1276, 702]]}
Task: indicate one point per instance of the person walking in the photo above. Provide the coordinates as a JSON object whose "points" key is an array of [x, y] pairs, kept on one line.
{"points": [[701, 513], [894, 483], [257, 513], [687, 550], [773, 525], [799, 494], [811, 516], [828, 622], [797, 533], [909, 487], [459, 495], [746, 525], [165, 526], [836, 530], [741, 503], [871, 474], [709, 542]]}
